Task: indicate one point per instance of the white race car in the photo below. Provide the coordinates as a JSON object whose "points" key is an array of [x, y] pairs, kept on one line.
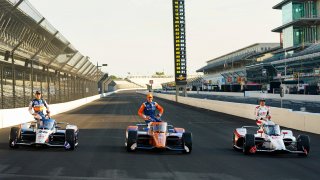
{"points": [[46, 133], [269, 138]]}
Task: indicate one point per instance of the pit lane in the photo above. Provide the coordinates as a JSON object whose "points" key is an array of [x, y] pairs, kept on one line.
{"points": [[101, 153]]}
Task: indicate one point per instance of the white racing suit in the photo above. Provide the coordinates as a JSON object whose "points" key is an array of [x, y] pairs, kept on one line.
{"points": [[262, 113]]}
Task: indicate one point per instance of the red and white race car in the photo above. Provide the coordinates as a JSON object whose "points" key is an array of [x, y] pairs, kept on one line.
{"points": [[269, 138]]}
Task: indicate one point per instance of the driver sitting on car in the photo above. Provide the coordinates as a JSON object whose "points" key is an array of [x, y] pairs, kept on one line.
{"points": [[262, 112], [147, 110], [37, 106]]}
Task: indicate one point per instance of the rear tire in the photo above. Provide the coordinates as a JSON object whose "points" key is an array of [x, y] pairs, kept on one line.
{"points": [[132, 138], [303, 144], [249, 142], [14, 137], [70, 138], [187, 141]]}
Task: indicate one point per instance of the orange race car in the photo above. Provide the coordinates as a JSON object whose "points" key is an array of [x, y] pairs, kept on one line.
{"points": [[158, 135]]}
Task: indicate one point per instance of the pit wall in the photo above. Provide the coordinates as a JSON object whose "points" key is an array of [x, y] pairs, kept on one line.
{"points": [[259, 94], [309, 122]]}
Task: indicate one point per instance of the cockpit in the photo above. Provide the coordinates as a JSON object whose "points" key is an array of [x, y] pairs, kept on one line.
{"points": [[47, 124], [159, 127], [271, 130]]}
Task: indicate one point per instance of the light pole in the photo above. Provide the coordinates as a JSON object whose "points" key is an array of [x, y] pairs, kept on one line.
{"points": [[99, 83], [100, 66], [281, 88]]}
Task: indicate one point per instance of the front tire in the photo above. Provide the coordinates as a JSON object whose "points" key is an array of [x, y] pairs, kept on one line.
{"points": [[70, 139], [303, 144], [187, 141], [132, 139], [248, 144], [14, 137]]}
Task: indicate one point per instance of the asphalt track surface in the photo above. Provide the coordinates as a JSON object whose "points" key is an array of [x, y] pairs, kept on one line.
{"points": [[101, 153]]}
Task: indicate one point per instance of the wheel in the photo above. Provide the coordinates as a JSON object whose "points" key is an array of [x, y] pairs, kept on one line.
{"points": [[303, 144], [187, 141], [249, 144], [132, 139], [70, 139], [15, 134]]}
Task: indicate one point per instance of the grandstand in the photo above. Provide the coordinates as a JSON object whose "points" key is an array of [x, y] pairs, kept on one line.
{"points": [[109, 84], [298, 61], [295, 60], [36, 56], [144, 81], [228, 72], [194, 82], [124, 84]]}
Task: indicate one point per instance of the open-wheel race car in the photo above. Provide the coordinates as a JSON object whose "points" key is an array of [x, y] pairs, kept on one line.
{"points": [[158, 135], [269, 138], [46, 132]]}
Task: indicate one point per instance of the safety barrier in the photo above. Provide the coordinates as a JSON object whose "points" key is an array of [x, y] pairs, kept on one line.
{"points": [[309, 122], [259, 94], [298, 97], [11, 117]]}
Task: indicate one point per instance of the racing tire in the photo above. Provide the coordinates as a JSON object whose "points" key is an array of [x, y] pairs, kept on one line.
{"points": [[15, 134], [132, 138], [187, 141], [303, 144], [70, 139], [248, 144]]}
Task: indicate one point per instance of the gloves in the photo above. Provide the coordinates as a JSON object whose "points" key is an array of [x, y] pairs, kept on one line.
{"points": [[48, 114], [36, 116], [146, 117]]}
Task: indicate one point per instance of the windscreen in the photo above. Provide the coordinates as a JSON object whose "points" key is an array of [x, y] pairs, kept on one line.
{"points": [[272, 130], [47, 124], [159, 127]]}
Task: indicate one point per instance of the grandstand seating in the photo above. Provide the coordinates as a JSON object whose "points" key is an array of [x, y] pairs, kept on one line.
{"points": [[124, 84], [143, 81], [314, 48]]}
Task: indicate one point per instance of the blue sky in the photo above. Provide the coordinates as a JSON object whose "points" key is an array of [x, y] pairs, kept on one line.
{"points": [[136, 36]]}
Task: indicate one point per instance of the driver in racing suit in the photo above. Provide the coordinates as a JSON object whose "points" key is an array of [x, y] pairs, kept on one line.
{"points": [[37, 106], [262, 113], [147, 110]]}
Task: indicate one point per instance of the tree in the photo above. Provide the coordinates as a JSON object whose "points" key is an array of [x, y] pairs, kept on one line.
{"points": [[114, 77], [160, 73]]}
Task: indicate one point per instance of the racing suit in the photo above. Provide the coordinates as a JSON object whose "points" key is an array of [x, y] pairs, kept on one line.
{"points": [[148, 111], [37, 106], [262, 113]]}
